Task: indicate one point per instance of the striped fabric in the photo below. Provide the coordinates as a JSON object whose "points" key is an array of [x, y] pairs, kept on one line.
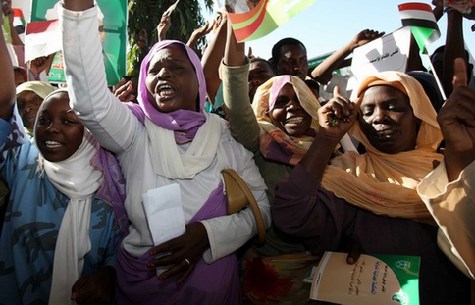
{"points": [[42, 39], [421, 19], [19, 20], [263, 16]]}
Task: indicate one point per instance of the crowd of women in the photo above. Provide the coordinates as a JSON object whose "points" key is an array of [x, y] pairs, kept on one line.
{"points": [[124, 203]]}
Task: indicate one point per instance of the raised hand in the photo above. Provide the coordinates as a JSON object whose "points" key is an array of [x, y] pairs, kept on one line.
{"points": [[199, 32], [366, 36], [7, 11], [163, 26], [41, 64], [7, 86], [337, 116], [457, 122], [77, 5], [124, 90]]}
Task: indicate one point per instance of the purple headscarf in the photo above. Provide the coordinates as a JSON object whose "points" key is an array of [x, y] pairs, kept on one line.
{"points": [[179, 120]]}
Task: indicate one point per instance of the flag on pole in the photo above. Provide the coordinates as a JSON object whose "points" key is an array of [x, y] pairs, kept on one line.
{"points": [[19, 20], [264, 17], [42, 39], [421, 19]]}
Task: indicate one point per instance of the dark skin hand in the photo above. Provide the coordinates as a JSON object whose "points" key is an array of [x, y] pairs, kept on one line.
{"points": [[41, 64], [354, 251], [95, 288], [124, 91], [457, 122], [190, 246], [343, 114], [337, 116]]}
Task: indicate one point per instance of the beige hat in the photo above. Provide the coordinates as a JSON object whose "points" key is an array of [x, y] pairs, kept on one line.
{"points": [[38, 87]]}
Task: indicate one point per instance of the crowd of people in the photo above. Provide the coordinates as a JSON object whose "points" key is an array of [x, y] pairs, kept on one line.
{"points": [[116, 195]]}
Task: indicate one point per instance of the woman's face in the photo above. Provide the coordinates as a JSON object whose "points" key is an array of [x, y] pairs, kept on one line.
{"points": [[287, 113], [58, 131], [28, 105], [387, 120], [171, 80]]}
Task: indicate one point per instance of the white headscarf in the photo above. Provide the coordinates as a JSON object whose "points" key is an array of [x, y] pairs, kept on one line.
{"points": [[79, 180], [76, 178]]}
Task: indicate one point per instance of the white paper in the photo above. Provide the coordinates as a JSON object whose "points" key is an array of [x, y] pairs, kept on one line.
{"points": [[387, 53], [164, 212]]}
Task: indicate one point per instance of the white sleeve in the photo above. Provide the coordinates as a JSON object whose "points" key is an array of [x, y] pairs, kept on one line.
{"points": [[453, 207], [111, 122], [227, 233]]}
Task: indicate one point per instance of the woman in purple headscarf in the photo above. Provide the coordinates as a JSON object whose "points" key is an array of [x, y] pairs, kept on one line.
{"points": [[181, 246]]}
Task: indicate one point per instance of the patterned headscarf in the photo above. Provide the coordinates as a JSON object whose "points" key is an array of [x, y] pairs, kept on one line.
{"points": [[275, 144], [386, 183]]}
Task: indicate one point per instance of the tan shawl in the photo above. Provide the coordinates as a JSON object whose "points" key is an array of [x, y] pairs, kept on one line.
{"points": [[386, 183], [275, 144]]}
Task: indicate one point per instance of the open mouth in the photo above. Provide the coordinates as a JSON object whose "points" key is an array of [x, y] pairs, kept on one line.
{"points": [[294, 121], [53, 144], [165, 91]]}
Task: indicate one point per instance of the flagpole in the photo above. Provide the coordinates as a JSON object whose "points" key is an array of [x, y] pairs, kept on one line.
{"points": [[437, 79]]}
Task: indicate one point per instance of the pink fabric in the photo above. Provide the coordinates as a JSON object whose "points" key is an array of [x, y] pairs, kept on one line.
{"points": [[184, 121], [278, 84], [210, 284], [112, 189], [274, 143]]}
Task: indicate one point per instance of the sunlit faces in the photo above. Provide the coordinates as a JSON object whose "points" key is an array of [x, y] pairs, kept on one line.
{"points": [[58, 131], [171, 80], [259, 72], [288, 115], [293, 61], [28, 104], [387, 120]]}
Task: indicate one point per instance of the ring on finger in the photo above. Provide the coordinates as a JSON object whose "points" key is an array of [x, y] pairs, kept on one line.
{"points": [[187, 261]]}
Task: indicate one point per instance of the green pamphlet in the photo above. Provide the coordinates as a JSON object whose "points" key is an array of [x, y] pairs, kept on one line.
{"points": [[374, 279]]}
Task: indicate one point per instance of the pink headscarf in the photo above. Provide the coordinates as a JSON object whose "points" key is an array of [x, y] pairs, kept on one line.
{"points": [[274, 143], [180, 120]]}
